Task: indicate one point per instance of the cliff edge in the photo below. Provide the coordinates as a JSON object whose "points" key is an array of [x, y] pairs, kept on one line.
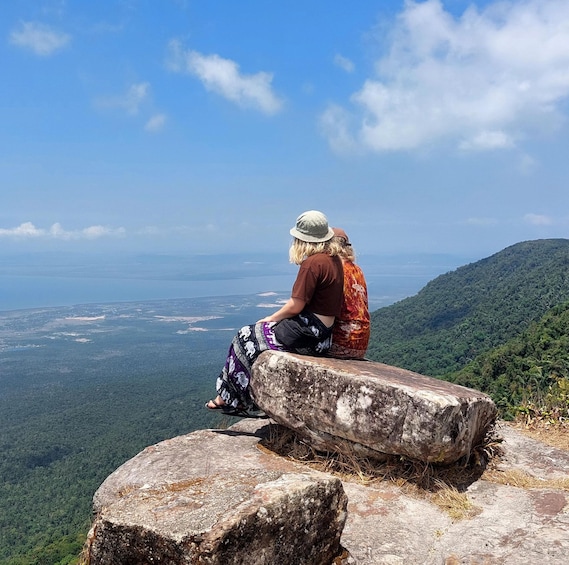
{"points": [[225, 496]]}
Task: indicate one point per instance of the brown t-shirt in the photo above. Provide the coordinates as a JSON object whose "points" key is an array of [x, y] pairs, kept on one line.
{"points": [[320, 283]]}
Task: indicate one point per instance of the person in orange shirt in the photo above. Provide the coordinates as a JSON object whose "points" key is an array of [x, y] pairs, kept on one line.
{"points": [[350, 336]]}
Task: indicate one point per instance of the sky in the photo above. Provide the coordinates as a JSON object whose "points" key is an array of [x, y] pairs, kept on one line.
{"points": [[180, 126]]}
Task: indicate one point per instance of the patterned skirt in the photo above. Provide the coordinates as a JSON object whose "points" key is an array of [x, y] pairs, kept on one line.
{"points": [[303, 333]]}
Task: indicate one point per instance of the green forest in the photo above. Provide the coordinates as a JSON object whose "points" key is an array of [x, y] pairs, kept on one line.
{"points": [[73, 411], [530, 371], [466, 312], [499, 325], [111, 381], [69, 441]]}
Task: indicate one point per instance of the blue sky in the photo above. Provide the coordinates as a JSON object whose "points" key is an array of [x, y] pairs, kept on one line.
{"points": [[199, 126]]}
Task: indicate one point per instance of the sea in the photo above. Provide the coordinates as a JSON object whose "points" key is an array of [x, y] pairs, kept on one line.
{"points": [[24, 292], [389, 280]]}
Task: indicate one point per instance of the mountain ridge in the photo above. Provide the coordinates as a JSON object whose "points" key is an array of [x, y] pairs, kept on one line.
{"points": [[466, 312]]}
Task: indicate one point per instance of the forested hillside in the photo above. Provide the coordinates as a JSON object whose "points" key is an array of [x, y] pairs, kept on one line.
{"points": [[530, 370], [469, 311], [85, 388]]}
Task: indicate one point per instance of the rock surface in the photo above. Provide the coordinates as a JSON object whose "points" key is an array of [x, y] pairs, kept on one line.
{"points": [[510, 525], [213, 497], [221, 497], [385, 525], [379, 409]]}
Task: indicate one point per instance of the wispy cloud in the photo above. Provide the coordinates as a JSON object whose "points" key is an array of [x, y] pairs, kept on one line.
{"points": [[344, 63], [134, 97], [130, 101], [337, 125], [39, 38], [136, 101], [483, 80], [28, 230], [223, 77], [538, 220], [155, 123], [487, 140]]}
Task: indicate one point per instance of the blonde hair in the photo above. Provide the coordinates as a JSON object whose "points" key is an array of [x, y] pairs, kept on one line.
{"points": [[347, 252], [300, 250]]}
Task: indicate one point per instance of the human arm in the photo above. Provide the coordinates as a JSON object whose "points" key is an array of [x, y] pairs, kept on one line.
{"points": [[292, 307]]}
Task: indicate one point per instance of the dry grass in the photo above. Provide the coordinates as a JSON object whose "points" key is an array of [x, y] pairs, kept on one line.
{"points": [[554, 434], [520, 479], [444, 486], [456, 504]]}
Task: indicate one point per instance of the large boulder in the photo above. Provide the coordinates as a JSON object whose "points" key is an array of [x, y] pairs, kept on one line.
{"points": [[372, 408], [386, 524], [213, 497]]}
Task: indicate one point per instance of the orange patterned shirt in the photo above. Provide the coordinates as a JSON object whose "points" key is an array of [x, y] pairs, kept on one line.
{"points": [[350, 336]]}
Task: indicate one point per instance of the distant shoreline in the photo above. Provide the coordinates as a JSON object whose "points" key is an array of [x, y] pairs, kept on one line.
{"points": [[41, 281], [26, 293]]}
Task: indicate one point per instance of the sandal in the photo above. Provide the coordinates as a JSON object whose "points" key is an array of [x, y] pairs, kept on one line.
{"points": [[216, 405], [240, 412]]}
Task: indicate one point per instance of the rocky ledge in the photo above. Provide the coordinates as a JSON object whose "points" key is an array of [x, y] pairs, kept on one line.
{"points": [[208, 481], [220, 496]]}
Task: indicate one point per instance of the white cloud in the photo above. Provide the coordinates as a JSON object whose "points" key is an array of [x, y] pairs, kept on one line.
{"points": [[134, 97], [538, 220], [155, 123], [336, 124], [39, 38], [483, 80], [130, 101], [344, 63], [95, 232], [223, 77], [27, 230], [488, 140]]}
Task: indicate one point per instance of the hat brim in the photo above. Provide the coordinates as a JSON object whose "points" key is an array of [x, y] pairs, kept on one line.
{"points": [[310, 238]]}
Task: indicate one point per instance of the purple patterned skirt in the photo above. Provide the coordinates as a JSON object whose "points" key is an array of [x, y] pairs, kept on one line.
{"points": [[303, 333], [233, 382]]}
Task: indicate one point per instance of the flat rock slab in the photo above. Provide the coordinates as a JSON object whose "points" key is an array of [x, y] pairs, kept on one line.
{"points": [[524, 453], [385, 526], [370, 407], [215, 497], [508, 526]]}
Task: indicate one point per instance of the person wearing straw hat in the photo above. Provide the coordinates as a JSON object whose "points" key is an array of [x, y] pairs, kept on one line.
{"points": [[351, 333], [302, 325]]}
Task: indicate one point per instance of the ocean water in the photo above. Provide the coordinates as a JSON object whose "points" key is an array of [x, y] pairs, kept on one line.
{"points": [[37, 284], [24, 292]]}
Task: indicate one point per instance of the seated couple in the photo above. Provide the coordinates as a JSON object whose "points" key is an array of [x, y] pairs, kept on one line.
{"points": [[327, 313]]}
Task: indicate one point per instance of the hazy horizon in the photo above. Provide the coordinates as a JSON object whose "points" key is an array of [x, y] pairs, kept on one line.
{"points": [[49, 279]]}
